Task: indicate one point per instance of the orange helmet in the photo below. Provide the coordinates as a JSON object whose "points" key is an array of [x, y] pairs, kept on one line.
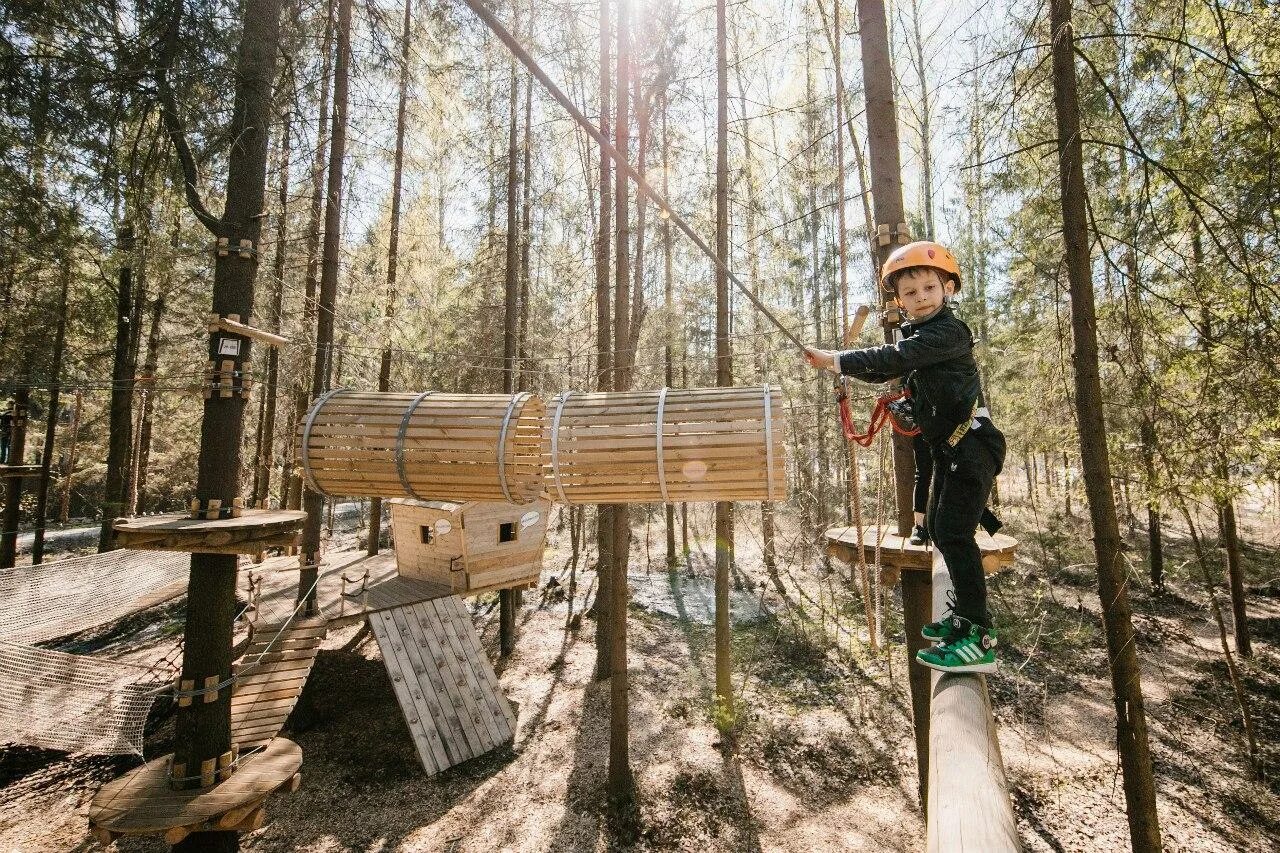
{"points": [[922, 253]]}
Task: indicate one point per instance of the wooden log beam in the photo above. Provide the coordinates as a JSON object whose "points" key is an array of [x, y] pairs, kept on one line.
{"points": [[968, 803]]}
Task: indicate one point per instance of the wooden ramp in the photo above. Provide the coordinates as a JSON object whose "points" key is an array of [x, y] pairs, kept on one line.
{"points": [[270, 677], [443, 680]]}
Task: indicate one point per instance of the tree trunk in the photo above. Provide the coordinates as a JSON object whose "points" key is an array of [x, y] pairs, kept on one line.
{"points": [[724, 712], [267, 431], [668, 319], [1126, 677], [120, 431], [524, 374], [313, 502], [1235, 577], [202, 729], [13, 485], [620, 781], [393, 254], [511, 321], [64, 512], [604, 357], [146, 422], [51, 421]]}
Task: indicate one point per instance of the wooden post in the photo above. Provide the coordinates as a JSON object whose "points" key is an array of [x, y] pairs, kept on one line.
{"points": [[968, 796], [917, 606]]}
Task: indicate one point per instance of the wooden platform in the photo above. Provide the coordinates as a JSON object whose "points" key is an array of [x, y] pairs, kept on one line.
{"points": [[446, 687], [397, 591], [19, 471], [142, 803], [278, 579], [250, 533], [897, 554], [270, 676]]}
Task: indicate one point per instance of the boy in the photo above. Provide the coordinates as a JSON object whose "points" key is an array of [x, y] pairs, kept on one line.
{"points": [[936, 356]]}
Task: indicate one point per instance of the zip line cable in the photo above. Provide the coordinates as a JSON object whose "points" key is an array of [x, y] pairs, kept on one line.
{"points": [[594, 132]]}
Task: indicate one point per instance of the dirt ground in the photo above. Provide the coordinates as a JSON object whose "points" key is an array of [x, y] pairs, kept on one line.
{"points": [[822, 757]]}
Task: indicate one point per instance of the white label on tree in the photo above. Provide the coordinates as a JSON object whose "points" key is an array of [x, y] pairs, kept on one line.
{"points": [[530, 518], [443, 526], [228, 346]]}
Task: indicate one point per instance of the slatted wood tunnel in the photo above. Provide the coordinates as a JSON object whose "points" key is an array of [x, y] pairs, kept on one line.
{"points": [[459, 447], [667, 446]]}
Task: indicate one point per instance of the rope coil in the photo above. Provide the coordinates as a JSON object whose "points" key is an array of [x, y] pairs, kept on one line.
{"points": [[880, 415]]}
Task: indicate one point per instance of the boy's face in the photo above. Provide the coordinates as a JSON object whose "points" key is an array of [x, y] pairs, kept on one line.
{"points": [[921, 291]]}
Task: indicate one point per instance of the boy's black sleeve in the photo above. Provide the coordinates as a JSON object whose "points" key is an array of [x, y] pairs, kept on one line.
{"points": [[929, 345]]}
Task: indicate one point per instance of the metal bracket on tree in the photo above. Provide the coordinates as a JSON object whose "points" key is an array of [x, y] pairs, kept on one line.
{"points": [[244, 248]]}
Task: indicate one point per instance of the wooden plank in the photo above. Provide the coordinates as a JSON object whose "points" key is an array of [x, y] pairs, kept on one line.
{"points": [[142, 803], [469, 685], [420, 620], [969, 806], [455, 610], [415, 693]]}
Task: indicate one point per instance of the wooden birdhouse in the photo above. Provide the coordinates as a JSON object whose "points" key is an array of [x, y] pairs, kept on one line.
{"points": [[470, 547]]}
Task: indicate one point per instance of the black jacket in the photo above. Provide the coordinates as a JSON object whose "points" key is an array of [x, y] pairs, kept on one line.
{"points": [[936, 356]]}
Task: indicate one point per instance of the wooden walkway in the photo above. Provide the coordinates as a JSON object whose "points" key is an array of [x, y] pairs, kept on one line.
{"points": [[446, 687], [142, 803], [270, 676]]}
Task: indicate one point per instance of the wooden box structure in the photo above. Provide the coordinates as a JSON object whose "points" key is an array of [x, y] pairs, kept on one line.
{"points": [[668, 446], [470, 547], [457, 447]]}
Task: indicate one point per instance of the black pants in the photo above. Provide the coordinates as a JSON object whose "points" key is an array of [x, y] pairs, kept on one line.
{"points": [[924, 474], [962, 479]]}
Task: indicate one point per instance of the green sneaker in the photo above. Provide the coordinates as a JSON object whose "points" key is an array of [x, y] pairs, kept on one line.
{"points": [[973, 652], [946, 629], [943, 631]]}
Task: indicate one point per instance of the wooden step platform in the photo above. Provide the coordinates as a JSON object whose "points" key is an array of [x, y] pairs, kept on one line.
{"points": [[142, 803], [898, 554], [397, 591], [265, 692], [446, 687], [250, 533], [19, 471]]}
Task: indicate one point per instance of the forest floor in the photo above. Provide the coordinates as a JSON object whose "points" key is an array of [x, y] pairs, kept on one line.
{"points": [[822, 756]]}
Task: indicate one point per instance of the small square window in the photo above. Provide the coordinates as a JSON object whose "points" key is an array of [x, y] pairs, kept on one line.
{"points": [[426, 533], [507, 531]]}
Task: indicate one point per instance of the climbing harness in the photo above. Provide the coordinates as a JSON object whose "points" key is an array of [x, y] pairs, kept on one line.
{"points": [[892, 407]]}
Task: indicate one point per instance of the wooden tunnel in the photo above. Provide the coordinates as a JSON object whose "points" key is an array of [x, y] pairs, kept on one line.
{"points": [[668, 446], [457, 447], [470, 547]]}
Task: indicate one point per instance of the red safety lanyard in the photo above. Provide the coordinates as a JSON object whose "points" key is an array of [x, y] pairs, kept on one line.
{"points": [[880, 415]]}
